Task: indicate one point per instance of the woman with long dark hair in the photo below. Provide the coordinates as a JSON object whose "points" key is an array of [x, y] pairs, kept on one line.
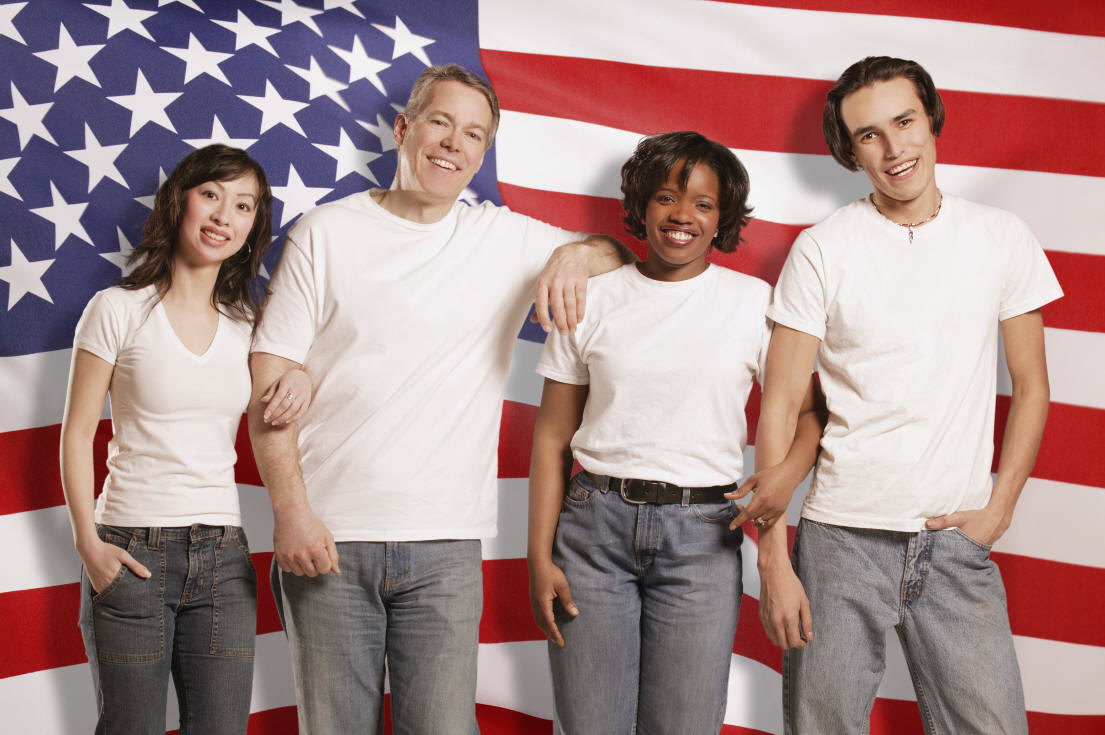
{"points": [[168, 584]]}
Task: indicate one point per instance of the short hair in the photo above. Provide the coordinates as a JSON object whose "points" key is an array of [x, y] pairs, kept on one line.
{"points": [[420, 92], [651, 164], [237, 289], [863, 74]]}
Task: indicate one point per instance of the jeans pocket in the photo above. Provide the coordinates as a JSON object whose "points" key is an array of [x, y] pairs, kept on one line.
{"points": [[715, 512], [581, 489], [234, 599], [126, 615], [977, 544]]}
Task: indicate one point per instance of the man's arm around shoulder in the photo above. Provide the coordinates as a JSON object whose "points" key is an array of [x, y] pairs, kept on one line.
{"points": [[301, 542], [562, 285]]}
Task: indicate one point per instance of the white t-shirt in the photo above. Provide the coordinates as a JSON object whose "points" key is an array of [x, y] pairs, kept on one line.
{"points": [[407, 331], [174, 413], [908, 358], [670, 366]]}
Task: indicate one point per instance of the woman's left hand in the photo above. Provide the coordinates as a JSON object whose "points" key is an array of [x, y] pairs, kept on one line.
{"points": [[288, 398], [773, 489]]}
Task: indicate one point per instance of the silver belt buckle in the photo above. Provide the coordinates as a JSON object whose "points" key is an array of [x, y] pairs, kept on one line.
{"points": [[621, 491]]}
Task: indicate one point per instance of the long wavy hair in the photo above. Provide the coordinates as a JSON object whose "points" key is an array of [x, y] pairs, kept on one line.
{"points": [[237, 292]]}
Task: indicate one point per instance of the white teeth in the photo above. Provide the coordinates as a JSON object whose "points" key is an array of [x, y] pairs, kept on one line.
{"points": [[215, 235], [902, 167], [443, 163], [679, 235]]}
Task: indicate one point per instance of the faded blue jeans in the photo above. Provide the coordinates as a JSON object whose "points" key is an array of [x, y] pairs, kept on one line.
{"points": [[943, 596], [415, 605], [194, 618], [658, 589]]}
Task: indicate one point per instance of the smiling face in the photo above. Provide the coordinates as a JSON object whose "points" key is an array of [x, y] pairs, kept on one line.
{"points": [[218, 217], [892, 141], [442, 148], [680, 224]]}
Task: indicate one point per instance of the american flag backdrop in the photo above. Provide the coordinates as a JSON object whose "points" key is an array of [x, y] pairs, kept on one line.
{"points": [[98, 100]]}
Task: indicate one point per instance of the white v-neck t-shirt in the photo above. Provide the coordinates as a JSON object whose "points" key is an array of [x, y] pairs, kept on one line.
{"points": [[174, 413]]}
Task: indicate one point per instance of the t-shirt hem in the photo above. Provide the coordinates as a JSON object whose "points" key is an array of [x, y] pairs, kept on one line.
{"points": [[416, 534], [788, 320], [909, 525], [1029, 305], [560, 377], [294, 354], [208, 519], [105, 355]]}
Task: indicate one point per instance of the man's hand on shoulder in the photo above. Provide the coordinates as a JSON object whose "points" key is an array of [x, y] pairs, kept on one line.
{"points": [[562, 284]]}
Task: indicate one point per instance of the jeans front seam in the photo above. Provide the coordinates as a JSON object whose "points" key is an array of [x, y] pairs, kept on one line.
{"points": [[918, 687]]}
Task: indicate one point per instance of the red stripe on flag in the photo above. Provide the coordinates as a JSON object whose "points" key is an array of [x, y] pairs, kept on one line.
{"points": [[1071, 448], [507, 616], [268, 619], [895, 717], [761, 253], [1045, 723], [30, 476], [1081, 17], [1060, 614], [1081, 276], [245, 469], [783, 114]]}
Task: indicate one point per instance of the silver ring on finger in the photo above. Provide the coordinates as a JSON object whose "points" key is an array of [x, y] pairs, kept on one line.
{"points": [[290, 397]]}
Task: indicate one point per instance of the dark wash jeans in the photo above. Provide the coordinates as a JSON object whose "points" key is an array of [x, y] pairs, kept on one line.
{"points": [[193, 618]]}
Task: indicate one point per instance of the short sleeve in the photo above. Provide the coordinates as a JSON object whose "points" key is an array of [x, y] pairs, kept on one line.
{"points": [[288, 325], [1029, 281], [101, 328], [560, 359], [541, 239], [800, 295], [765, 341]]}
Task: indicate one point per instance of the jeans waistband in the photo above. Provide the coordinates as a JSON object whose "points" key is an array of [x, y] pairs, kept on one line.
{"points": [[154, 535]]}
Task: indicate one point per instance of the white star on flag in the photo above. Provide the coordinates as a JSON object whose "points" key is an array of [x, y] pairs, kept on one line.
{"points": [[275, 109], [320, 85], [65, 216], [27, 118], [405, 41], [469, 197], [247, 32], [71, 60], [25, 277], [198, 60], [296, 197], [350, 159], [344, 5], [361, 65], [189, 3], [219, 135], [290, 13], [119, 259], [147, 201], [120, 17], [6, 185], [146, 106], [7, 21], [99, 159], [381, 130]]}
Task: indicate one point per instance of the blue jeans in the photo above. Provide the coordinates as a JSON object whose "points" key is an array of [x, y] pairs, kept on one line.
{"points": [[415, 605], [194, 618], [943, 596], [658, 589]]}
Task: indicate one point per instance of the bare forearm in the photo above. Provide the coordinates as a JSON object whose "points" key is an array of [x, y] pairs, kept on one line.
{"points": [[275, 448], [604, 254], [546, 493], [1024, 431], [78, 483]]}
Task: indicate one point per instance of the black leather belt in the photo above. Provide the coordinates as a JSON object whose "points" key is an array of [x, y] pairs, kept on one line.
{"points": [[662, 493]]}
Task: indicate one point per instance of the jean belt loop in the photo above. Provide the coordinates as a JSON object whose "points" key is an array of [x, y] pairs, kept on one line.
{"points": [[227, 531], [153, 541], [686, 497]]}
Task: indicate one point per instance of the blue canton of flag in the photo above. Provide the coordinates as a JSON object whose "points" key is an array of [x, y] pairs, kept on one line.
{"points": [[99, 101]]}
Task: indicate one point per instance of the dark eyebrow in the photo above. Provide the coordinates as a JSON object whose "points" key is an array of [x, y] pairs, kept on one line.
{"points": [[859, 132], [453, 120]]}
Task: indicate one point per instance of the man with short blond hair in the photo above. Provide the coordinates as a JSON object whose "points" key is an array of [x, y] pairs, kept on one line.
{"points": [[403, 306]]}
